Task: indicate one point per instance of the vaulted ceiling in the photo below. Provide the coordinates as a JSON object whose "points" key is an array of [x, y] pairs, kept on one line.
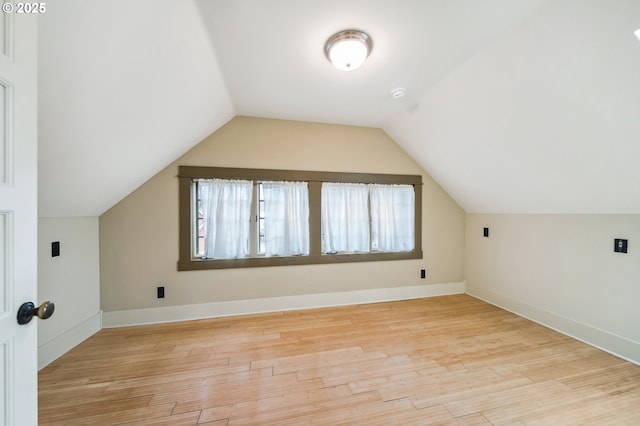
{"points": [[529, 106]]}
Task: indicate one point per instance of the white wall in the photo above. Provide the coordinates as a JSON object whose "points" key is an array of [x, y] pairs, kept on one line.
{"points": [[561, 270], [71, 281]]}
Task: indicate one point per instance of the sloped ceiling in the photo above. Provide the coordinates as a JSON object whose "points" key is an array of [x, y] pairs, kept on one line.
{"points": [[546, 120], [125, 88], [512, 105]]}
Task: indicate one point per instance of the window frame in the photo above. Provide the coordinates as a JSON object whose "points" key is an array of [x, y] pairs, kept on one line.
{"points": [[315, 178]]}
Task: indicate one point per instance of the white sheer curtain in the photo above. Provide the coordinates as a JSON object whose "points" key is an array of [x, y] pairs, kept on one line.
{"points": [[226, 207], [392, 218], [345, 217], [286, 218]]}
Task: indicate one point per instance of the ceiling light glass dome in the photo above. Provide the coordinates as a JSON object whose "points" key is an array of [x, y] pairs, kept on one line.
{"points": [[348, 49]]}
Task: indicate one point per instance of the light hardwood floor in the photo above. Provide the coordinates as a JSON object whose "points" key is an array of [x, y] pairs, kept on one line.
{"points": [[444, 360]]}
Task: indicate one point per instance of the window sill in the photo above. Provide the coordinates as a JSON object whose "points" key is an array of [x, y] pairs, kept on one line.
{"points": [[255, 262]]}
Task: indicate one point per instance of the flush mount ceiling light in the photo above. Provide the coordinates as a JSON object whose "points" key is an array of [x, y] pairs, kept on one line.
{"points": [[348, 49], [637, 33]]}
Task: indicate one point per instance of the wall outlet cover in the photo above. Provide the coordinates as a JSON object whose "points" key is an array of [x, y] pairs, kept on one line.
{"points": [[55, 249], [620, 245]]}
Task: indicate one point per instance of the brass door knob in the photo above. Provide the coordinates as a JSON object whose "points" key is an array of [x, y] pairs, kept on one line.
{"points": [[28, 310]]}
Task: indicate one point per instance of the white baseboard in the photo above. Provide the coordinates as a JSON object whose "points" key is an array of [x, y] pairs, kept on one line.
{"points": [[619, 346], [274, 304], [53, 349]]}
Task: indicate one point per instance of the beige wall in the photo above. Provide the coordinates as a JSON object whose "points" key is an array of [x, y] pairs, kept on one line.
{"points": [[561, 270], [139, 235]]}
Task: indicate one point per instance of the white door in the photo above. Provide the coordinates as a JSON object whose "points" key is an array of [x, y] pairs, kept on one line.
{"points": [[18, 217]]}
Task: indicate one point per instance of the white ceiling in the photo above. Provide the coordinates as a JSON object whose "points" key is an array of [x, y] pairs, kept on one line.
{"points": [[512, 105]]}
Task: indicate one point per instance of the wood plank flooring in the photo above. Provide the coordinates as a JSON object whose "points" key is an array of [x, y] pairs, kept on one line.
{"points": [[445, 360]]}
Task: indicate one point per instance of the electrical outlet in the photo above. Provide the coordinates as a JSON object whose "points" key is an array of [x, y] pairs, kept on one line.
{"points": [[423, 273], [161, 292]]}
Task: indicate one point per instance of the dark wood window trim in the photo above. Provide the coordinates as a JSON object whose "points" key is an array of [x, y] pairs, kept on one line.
{"points": [[315, 178]]}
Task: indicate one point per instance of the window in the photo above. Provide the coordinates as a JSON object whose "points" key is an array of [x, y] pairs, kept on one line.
{"points": [[222, 219], [232, 218], [392, 217], [286, 218], [360, 218], [345, 218]]}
